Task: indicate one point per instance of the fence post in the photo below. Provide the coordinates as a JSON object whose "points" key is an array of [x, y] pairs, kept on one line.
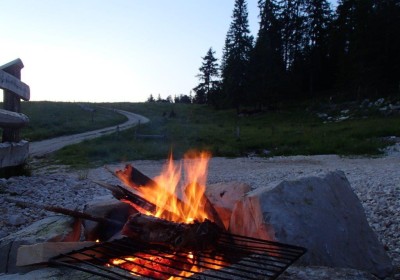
{"points": [[13, 150], [12, 102]]}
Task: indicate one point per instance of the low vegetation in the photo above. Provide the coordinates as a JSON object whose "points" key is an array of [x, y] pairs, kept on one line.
{"points": [[291, 131], [52, 119]]}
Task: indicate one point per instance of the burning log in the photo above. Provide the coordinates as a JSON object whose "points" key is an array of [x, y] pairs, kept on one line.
{"points": [[135, 179], [178, 236], [135, 200], [121, 193]]}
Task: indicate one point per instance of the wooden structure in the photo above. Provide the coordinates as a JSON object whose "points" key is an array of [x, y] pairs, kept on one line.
{"points": [[13, 150]]}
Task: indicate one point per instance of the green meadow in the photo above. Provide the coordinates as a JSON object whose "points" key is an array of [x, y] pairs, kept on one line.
{"points": [[289, 131]]}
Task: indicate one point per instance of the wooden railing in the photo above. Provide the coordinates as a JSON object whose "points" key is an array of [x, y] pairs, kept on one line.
{"points": [[13, 150]]}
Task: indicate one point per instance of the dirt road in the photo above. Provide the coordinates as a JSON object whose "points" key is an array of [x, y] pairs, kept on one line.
{"points": [[41, 148]]}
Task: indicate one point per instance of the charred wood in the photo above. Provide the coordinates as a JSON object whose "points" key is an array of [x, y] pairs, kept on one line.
{"points": [[134, 178], [122, 193], [137, 180], [197, 236], [135, 200]]}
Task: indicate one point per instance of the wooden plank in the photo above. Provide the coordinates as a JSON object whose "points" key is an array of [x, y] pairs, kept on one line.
{"points": [[13, 67], [13, 154], [42, 252], [12, 119], [11, 83]]}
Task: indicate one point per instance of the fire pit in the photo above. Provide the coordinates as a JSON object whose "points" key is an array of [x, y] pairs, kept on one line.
{"points": [[177, 233], [234, 257], [171, 230], [288, 211]]}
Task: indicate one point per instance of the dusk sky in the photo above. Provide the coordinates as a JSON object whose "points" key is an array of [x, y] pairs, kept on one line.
{"points": [[111, 51]]}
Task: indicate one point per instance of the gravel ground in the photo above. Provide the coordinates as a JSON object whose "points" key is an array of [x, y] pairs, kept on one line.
{"points": [[376, 181]]}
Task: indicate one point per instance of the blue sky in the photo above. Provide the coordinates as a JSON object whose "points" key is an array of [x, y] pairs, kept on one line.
{"points": [[111, 51]]}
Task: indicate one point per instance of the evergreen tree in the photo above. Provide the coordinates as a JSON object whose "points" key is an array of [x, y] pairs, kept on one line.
{"points": [[150, 99], [208, 78], [318, 18], [317, 26], [352, 22], [236, 56], [266, 64], [363, 41], [292, 18], [183, 98], [387, 34], [304, 28], [303, 48]]}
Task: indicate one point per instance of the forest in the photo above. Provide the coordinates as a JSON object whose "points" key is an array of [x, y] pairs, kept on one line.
{"points": [[304, 50]]}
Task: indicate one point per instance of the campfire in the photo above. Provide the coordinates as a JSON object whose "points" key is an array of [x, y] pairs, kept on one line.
{"points": [[178, 214], [172, 231], [178, 192]]}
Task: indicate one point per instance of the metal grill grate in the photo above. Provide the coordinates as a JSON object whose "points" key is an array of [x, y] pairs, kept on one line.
{"points": [[234, 257]]}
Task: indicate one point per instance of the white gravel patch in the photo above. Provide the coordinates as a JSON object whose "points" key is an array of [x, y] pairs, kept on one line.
{"points": [[376, 181]]}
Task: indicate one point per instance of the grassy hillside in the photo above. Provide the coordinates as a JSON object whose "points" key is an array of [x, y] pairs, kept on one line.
{"points": [[52, 119], [291, 132]]}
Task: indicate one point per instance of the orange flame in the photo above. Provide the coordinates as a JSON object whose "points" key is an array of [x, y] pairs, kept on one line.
{"points": [[178, 194], [180, 198]]}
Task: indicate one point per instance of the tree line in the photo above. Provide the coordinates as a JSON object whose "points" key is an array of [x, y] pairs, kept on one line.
{"points": [[304, 49]]}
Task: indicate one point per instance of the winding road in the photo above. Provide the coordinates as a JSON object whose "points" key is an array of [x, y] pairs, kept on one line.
{"points": [[41, 148]]}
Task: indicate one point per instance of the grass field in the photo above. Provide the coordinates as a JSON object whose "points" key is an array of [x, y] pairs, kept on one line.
{"points": [[290, 132], [52, 119]]}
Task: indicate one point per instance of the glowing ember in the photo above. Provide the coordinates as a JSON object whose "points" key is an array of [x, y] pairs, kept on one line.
{"points": [[157, 267]]}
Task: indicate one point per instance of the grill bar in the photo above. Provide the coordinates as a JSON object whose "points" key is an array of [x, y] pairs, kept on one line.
{"points": [[234, 256]]}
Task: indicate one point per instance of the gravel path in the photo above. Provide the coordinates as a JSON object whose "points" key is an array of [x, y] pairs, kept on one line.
{"points": [[41, 148], [376, 181]]}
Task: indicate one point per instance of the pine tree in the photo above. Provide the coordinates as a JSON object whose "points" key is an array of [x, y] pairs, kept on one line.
{"points": [[354, 47], [386, 33], [266, 64], [236, 56], [318, 17], [291, 16], [150, 99], [317, 25], [208, 78]]}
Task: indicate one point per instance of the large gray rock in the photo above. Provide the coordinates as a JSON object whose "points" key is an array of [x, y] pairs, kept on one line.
{"points": [[321, 214]]}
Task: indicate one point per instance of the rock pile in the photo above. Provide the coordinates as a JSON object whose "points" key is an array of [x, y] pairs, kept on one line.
{"points": [[341, 112]]}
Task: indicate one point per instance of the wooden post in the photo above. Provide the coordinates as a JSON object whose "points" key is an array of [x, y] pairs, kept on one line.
{"points": [[13, 150], [11, 101]]}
